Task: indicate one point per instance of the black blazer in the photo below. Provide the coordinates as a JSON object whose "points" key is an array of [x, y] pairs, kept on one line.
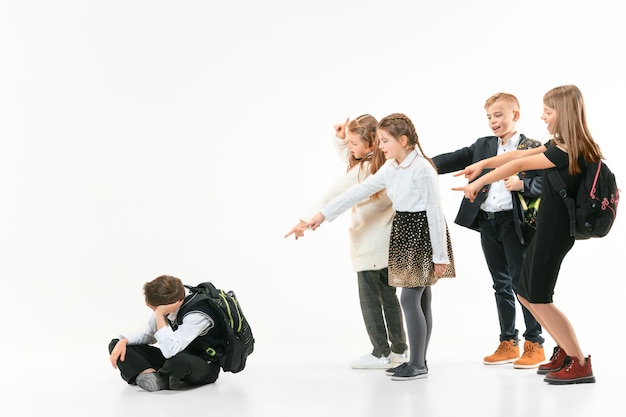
{"points": [[486, 147]]}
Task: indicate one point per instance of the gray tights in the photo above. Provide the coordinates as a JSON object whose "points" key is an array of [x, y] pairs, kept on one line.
{"points": [[416, 305]]}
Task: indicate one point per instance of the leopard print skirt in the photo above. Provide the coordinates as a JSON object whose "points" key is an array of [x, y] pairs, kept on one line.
{"points": [[411, 252]]}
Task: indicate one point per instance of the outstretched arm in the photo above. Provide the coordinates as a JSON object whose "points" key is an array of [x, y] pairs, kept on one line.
{"points": [[528, 162], [476, 168], [316, 221]]}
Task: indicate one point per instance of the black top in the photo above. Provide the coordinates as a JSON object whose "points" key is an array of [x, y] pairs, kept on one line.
{"points": [[552, 239]]}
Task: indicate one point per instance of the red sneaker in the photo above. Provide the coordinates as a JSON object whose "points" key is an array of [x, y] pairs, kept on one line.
{"points": [[556, 362], [572, 373]]}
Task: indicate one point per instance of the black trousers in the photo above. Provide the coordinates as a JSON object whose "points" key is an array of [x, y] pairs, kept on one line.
{"points": [[504, 254], [189, 368]]}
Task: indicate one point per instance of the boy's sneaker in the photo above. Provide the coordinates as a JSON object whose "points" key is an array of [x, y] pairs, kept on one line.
{"points": [[572, 373], [370, 361], [507, 352], [556, 362], [152, 381], [410, 372], [531, 358], [399, 357]]}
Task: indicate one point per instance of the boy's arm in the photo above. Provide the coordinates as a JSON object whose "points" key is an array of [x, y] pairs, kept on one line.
{"points": [[453, 161], [172, 342], [474, 170]]}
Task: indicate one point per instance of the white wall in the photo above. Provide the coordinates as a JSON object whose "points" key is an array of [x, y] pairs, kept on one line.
{"points": [[149, 137]]}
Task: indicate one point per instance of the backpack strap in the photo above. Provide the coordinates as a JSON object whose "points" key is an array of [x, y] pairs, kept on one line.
{"points": [[559, 185], [522, 201]]}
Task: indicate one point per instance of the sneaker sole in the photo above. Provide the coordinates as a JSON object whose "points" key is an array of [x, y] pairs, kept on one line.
{"points": [[408, 378], [531, 366], [582, 380], [381, 366]]}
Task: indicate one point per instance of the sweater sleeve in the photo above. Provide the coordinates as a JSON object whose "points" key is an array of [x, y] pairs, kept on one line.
{"points": [[341, 184], [341, 146]]}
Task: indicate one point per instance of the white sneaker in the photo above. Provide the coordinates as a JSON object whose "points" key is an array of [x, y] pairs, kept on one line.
{"points": [[370, 361], [399, 357]]}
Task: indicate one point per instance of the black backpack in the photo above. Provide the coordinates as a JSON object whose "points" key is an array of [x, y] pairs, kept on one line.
{"points": [[592, 211], [238, 338]]}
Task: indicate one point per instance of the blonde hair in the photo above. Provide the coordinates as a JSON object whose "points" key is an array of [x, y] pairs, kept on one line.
{"points": [[365, 127], [505, 97], [571, 125], [398, 124]]}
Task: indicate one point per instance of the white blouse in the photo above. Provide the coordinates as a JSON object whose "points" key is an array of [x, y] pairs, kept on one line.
{"points": [[412, 186]]}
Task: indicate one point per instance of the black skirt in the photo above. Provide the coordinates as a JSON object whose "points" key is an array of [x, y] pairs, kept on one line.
{"points": [[411, 252]]}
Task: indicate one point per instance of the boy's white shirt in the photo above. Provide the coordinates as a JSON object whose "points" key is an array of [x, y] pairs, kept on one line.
{"points": [[171, 342], [498, 197]]}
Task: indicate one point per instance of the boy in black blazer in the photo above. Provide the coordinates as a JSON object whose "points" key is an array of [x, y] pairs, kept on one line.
{"points": [[494, 214]]}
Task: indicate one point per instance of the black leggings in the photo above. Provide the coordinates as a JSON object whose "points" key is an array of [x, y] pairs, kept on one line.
{"points": [[416, 304]]}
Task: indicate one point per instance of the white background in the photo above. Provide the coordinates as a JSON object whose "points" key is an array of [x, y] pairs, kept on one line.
{"points": [[142, 138]]}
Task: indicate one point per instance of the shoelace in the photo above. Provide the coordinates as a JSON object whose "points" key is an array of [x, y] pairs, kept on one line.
{"points": [[555, 353], [504, 347]]}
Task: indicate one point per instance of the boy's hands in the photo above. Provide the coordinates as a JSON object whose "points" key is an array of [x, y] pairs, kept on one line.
{"points": [[341, 128], [164, 310], [118, 352], [513, 183]]}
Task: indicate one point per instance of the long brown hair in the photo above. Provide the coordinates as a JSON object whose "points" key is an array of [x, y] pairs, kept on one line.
{"points": [[398, 124], [365, 127], [571, 125]]}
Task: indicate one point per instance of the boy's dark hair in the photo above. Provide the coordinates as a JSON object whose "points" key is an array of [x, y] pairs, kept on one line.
{"points": [[163, 290]]}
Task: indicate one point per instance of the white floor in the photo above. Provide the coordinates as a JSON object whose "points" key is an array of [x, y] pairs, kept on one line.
{"points": [[272, 386]]}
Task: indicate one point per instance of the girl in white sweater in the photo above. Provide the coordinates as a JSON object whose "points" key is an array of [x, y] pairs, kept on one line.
{"points": [[370, 228]]}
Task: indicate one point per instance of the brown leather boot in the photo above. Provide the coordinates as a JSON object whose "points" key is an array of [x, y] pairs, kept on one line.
{"points": [[531, 358], [507, 352], [572, 373]]}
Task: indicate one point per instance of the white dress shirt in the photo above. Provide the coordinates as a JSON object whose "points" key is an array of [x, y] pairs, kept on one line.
{"points": [[498, 197]]}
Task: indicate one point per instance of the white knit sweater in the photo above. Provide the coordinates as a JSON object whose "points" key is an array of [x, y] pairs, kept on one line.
{"points": [[370, 223]]}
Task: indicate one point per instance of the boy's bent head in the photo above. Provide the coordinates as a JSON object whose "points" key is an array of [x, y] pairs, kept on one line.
{"points": [[163, 290]]}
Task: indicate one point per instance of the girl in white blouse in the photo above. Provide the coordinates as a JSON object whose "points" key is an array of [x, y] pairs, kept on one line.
{"points": [[420, 251]]}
